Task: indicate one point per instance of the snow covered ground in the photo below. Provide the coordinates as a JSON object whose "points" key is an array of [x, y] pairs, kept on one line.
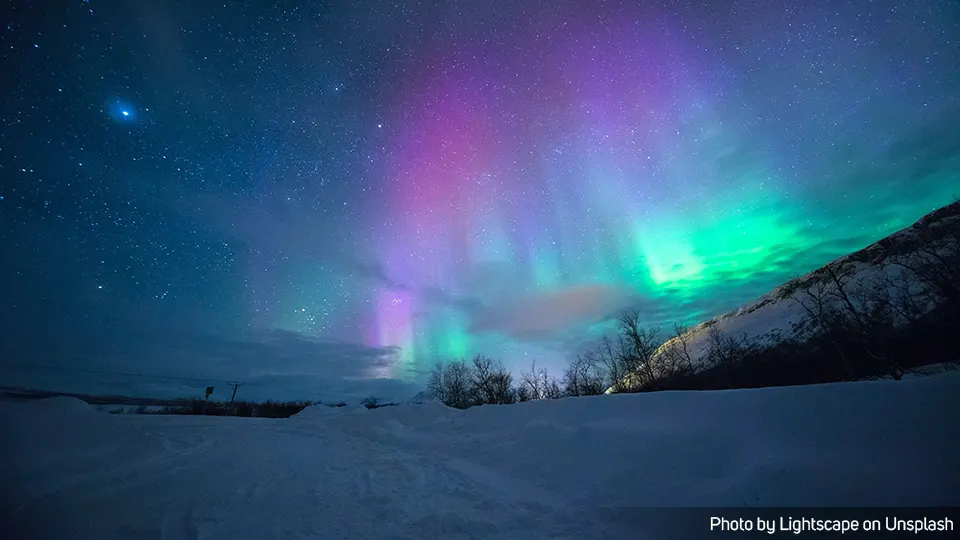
{"points": [[571, 468]]}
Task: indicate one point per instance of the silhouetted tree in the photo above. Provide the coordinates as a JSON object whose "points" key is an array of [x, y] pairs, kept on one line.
{"points": [[492, 383], [452, 383], [584, 376], [726, 355], [539, 383], [612, 357], [640, 346], [435, 383], [503, 391], [672, 361]]}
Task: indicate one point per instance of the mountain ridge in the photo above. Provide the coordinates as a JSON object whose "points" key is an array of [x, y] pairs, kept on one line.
{"points": [[768, 317]]}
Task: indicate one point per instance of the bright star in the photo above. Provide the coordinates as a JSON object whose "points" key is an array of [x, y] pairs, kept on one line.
{"points": [[123, 111]]}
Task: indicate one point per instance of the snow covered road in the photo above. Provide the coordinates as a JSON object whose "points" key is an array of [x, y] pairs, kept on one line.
{"points": [[572, 468]]}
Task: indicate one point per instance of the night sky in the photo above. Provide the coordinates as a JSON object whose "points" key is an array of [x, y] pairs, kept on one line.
{"points": [[328, 198]]}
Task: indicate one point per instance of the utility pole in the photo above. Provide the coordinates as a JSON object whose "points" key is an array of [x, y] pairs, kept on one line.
{"points": [[235, 386]]}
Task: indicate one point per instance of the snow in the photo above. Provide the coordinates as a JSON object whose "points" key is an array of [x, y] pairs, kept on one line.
{"points": [[62, 405], [752, 322], [777, 313], [570, 468], [422, 397]]}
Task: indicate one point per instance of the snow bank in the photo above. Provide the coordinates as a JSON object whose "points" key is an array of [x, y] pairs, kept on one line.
{"points": [[315, 413], [60, 405], [572, 468], [932, 369]]}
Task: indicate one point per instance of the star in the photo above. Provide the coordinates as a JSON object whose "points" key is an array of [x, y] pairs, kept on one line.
{"points": [[122, 111]]}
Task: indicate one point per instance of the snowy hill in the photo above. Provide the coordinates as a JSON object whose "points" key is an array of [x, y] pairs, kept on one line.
{"points": [[422, 397], [570, 468], [776, 313]]}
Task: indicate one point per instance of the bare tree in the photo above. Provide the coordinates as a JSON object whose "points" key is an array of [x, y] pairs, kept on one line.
{"points": [[856, 316], [638, 346], [483, 369], [726, 355], [539, 383], [531, 381], [492, 383], [584, 376], [552, 389], [813, 300], [682, 341], [612, 359], [721, 348], [457, 384], [937, 266], [673, 359], [840, 277], [435, 383], [571, 380], [869, 321], [903, 292], [822, 319], [502, 386]]}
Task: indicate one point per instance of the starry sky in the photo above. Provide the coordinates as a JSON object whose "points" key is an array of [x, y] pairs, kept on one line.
{"points": [[326, 198]]}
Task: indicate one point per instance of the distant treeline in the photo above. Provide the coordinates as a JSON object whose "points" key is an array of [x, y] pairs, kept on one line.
{"points": [[248, 409]]}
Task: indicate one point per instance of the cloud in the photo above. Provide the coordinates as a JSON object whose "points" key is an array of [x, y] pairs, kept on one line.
{"points": [[278, 352], [437, 297], [544, 314], [266, 230], [930, 145], [272, 364]]}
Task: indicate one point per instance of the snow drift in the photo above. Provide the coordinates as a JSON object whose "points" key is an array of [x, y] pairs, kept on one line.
{"points": [[570, 468]]}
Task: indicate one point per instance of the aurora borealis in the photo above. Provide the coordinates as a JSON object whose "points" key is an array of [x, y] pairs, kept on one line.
{"points": [[405, 183]]}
